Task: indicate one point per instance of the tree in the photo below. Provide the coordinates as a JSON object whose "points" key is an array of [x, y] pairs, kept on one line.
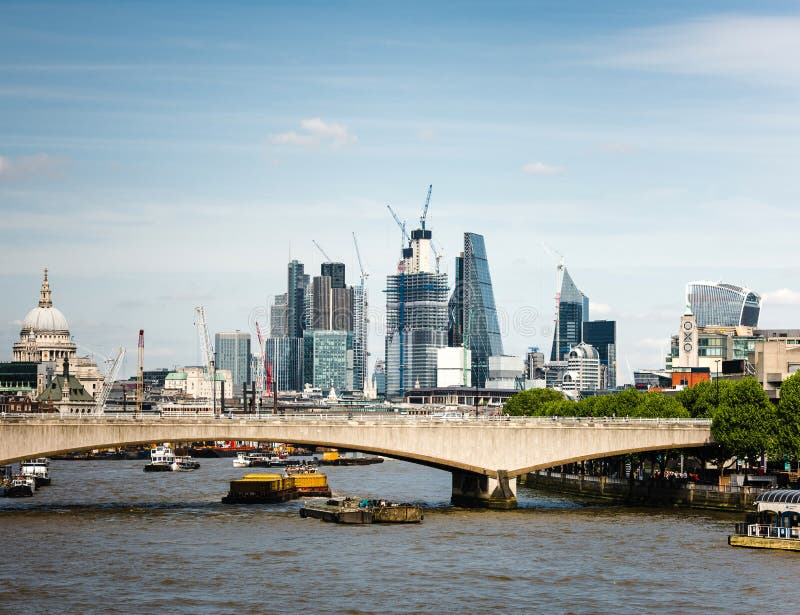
{"points": [[745, 424], [702, 399], [531, 402], [654, 404], [789, 417]]}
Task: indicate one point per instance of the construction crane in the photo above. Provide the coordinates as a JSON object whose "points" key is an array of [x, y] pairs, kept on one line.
{"points": [[560, 267], [267, 390], [364, 273], [402, 225], [424, 215], [112, 370], [140, 374], [208, 353], [319, 247]]}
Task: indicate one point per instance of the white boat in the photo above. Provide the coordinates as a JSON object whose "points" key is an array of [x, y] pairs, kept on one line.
{"points": [[242, 460], [38, 469], [253, 460], [161, 459], [21, 486], [184, 463]]}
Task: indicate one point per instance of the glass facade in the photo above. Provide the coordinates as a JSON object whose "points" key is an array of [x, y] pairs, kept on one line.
{"points": [[335, 271], [232, 351], [285, 359], [715, 304], [573, 311], [481, 328], [325, 359], [360, 331], [602, 335], [295, 304]]}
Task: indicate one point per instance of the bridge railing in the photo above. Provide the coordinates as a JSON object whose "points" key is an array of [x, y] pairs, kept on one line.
{"points": [[388, 417]]}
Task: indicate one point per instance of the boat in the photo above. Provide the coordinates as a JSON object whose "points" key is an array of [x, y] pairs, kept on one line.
{"points": [[161, 459], [38, 469], [774, 525], [20, 486], [273, 488], [332, 458], [360, 512], [253, 460], [184, 463]]}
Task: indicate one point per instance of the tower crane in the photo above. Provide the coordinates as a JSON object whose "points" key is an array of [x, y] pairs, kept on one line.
{"points": [[560, 267], [140, 374], [424, 215], [267, 391], [319, 247], [112, 370], [364, 273], [208, 353], [402, 226]]}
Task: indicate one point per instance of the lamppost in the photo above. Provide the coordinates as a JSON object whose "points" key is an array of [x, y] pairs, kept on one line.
{"points": [[716, 383]]}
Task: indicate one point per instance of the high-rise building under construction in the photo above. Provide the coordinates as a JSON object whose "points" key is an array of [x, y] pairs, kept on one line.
{"points": [[416, 317]]}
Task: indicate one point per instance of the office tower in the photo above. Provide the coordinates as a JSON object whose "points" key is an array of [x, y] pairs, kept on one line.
{"points": [[416, 318], [342, 301], [285, 360], [583, 369], [278, 321], [295, 306], [573, 311], [602, 335], [325, 359], [232, 351], [534, 364], [360, 332], [715, 304], [320, 316], [335, 271], [455, 307], [379, 377]]}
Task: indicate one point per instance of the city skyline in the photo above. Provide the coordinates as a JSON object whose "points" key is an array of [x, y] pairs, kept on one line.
{"points": [[153, 170]]}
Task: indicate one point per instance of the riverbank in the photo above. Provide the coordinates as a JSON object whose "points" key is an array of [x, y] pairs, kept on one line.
{"points": [[656, 493]]}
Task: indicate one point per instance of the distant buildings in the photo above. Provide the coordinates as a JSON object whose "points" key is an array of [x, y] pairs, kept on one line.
{"points": [[325, 359], [278, 316], [416, 318], [602, 335], [573, 311], [472, 317], [232, 352], [726, 305], [295, 298], [583, 370], [284, 357]]}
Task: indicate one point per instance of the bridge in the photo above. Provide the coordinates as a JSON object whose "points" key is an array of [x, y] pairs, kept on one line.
{"points": [[484, 454]]}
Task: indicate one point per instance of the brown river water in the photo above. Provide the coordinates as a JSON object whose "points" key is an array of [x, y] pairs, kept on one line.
{"points": [[108, 538]]}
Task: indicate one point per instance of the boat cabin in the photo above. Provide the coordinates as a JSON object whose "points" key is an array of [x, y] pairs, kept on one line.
{"points": [[777, 515]]}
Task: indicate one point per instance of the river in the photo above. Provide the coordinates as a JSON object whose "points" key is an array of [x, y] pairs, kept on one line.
{"points": [[107, 537]]}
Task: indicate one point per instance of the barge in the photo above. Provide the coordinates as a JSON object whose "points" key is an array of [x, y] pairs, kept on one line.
{"points": [[274, 488], [774, 525], [362, 512]]}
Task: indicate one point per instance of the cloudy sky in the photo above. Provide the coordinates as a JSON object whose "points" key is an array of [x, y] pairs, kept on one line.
{"points": [[160, 157]]}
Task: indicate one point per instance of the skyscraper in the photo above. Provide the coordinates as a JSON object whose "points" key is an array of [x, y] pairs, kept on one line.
{"points": [[716, 304], [335, 271], [602, 335], [278, 321], [573, 311], [416, 318], [325, 359], [285, 360], [232, 351], [295, 304], [473, 314]]}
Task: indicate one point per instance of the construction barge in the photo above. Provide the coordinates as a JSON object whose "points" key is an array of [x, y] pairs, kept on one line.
{"points": [[362, 512], [275, 488], [332, 458]]}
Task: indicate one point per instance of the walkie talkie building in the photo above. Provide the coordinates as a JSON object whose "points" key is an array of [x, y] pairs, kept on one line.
{"points": [[715, 304]]}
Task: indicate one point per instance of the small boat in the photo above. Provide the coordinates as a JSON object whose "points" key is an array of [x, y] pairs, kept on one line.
{"points": [[20, 486], [252, 460], [38, 469], [184, 463], [774, 525], [161, 459]]}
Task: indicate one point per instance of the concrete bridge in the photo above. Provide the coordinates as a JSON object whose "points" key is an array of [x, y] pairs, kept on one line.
{"points": [[482, 453]]}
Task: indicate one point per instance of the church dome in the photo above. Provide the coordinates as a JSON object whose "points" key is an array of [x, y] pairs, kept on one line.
{"points": [[45, 317]]}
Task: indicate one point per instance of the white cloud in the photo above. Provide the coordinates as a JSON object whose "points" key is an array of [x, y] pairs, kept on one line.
{"points": [[599, 309], [23, 167], [748, 47], [540, 168], [316, 131], [783, 296]]}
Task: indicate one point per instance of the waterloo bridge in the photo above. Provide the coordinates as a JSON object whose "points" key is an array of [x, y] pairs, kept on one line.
{"points": [[485, 455]]}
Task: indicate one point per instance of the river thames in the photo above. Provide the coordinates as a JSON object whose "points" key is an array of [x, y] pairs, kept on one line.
{"points": [[107, 537]]}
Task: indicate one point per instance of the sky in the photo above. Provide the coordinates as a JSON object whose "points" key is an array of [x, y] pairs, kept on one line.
{"points": [[158, 156]]}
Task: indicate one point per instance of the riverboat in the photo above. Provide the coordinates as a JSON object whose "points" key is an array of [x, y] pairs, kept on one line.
{"points": [[20, 486], [774, 525], [38, 469], [361, 512], [161, 459], [260, 489], [332, 458], [184, 463]]}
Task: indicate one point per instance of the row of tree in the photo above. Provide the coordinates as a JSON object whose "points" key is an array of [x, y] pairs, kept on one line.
{"points": [[745, 424]]}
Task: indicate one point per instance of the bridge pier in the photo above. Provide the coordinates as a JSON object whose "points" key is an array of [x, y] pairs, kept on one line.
{"points": [[472, 490]]}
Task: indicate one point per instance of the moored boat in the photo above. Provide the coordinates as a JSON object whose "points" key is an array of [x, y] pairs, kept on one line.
{"points": [[38, 469], [20, 486], [353, 511], [774, 525], [184, 463], [161, 459]]}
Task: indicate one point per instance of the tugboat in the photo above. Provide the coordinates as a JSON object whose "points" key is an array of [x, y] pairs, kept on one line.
{"points": [[161, 459], [21, 486], [184, 464], [38, 469]]}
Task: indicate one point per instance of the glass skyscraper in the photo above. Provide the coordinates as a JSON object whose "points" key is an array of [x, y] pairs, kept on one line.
{"points": [[715, 304], [285, 358], [473, 314], [232, 351], [295, 299], [573, 311], [325, 359], [602, 334]]}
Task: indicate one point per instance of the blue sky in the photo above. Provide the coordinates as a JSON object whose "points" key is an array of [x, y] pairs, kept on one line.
{"points": [[157, 156]]}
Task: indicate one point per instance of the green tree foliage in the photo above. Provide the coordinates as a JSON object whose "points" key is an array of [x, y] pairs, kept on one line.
{"points": [[532, 402], [789, 416], [745, 424], [657, 405], [702, 399]]}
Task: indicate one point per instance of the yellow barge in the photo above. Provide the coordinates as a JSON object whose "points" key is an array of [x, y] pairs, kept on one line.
{"points": [[273, 488]]}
